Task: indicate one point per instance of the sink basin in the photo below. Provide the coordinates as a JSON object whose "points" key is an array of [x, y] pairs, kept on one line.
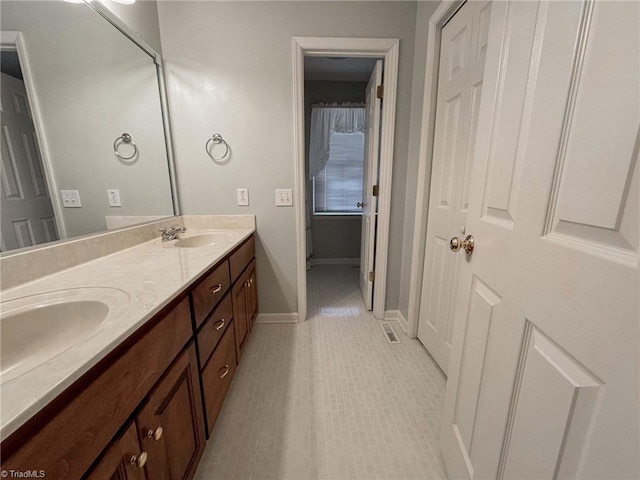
{"points": [[204, 240], [37, 328]]}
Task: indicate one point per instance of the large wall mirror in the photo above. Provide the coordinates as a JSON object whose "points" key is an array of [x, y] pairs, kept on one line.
{"points": [[72, 85]]}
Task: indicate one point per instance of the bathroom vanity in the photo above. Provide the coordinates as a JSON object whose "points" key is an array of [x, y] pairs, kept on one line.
{"points": [[142, 405]]}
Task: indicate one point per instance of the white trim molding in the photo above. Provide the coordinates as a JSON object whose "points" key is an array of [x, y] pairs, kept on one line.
{"points": [[396, 315], [277, 317], [386, 49], [444, 12]]}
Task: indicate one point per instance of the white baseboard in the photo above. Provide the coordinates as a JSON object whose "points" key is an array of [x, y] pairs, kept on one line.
{"points": [[398, 317], [336, 261], [277, 317]]}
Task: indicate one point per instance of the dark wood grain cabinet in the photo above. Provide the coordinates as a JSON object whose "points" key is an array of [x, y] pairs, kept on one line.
{"points": [[223, 335], [170, 423], [123, 460], [139, 414]]}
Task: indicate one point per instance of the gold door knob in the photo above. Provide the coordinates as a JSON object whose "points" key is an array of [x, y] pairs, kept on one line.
{"points": [[467, 244], [139, 460], [155, 434]]}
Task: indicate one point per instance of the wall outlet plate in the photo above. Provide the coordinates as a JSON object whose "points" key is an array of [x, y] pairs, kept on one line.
{"points": [[243, 197], [284, 197], [114, 197], [70, 198]]}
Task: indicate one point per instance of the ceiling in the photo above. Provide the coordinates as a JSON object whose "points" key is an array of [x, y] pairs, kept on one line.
{"points": [[338, 68]]}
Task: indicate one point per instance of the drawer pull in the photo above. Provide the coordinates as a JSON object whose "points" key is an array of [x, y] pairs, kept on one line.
{"points": [[217, 288], [226, 371], [155, 434], [140, 460], [220, 324]]}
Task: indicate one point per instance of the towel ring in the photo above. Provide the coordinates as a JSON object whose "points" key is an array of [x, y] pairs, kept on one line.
{"points": [[217, 139], [126, 139]]}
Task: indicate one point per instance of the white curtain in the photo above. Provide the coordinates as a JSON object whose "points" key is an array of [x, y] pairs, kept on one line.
{"points": [[325, 120]]}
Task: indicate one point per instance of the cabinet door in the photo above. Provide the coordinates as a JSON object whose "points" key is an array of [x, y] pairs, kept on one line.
{"points": [[252, 293], [171, 425], [240, 313], [123, 460]]}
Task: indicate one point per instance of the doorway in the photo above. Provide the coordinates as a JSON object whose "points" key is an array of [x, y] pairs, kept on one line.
{"points": [[387, 50], [342, 137]]}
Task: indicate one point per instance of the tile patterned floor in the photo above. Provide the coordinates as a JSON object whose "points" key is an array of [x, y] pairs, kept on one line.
{"points": [[329, 398]]}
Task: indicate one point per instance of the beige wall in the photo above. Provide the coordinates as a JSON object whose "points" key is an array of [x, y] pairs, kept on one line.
{"points": [[230, 71]]}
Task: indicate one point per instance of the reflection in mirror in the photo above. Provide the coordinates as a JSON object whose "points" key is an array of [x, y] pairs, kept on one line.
{"points": [[72, 85]]}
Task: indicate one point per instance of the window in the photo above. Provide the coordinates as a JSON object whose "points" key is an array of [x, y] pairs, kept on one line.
{"points": [[338, 187]]}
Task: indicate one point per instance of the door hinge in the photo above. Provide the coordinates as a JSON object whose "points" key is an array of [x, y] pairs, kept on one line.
{"points": [[372, 276], [376, 190], [380, 91]]}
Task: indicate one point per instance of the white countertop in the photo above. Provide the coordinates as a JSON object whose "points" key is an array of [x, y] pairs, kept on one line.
{"points": [[151, 274]]}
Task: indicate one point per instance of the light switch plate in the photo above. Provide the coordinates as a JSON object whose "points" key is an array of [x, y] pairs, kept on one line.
{"points": [[284, 197], [70, 198], [114, 197], [243, 197]]}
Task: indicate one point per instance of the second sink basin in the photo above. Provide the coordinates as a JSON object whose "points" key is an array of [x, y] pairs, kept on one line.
{"points": [[36, 328], [204, 239]]}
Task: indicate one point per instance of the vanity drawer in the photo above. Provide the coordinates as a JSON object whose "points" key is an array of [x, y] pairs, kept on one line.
{"points": [[213, 329], [241, 258], [217, 375], [207, 295]]}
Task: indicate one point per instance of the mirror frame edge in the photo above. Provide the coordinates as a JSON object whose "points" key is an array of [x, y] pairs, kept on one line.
{"points": [[130, 33]]}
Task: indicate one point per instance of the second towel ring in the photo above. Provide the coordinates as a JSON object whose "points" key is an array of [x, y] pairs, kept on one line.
{"points": [[217, 139], [127, 140]]}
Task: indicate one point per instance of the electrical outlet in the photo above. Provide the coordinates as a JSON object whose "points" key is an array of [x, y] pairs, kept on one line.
{"points": [[114, 197], [243, 197], [284, 197], [70, 198]]}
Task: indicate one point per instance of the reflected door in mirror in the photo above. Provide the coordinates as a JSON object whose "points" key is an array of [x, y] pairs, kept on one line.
{"points": [[27, 214]]}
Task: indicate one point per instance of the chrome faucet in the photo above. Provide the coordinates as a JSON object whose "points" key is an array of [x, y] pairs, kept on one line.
{"points": [[172, 232]]}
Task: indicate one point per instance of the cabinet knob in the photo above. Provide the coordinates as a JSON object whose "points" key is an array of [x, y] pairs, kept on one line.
{"points": [[216, 288], [220, 324], [155, 434], [226, 371], [139, 460]]}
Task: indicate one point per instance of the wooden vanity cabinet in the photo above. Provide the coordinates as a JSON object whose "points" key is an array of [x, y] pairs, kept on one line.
{"points": [[123, 460], [66, 437], [245, 305], [170, 423], [139, 413]]}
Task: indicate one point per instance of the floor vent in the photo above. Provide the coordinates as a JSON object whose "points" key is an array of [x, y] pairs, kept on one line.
{"points": [[389, 333]]}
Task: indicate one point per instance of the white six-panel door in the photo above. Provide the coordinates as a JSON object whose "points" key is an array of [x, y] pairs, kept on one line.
{"points": [[462, 58], [544, 378], [27, 214], [370, 178]]}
